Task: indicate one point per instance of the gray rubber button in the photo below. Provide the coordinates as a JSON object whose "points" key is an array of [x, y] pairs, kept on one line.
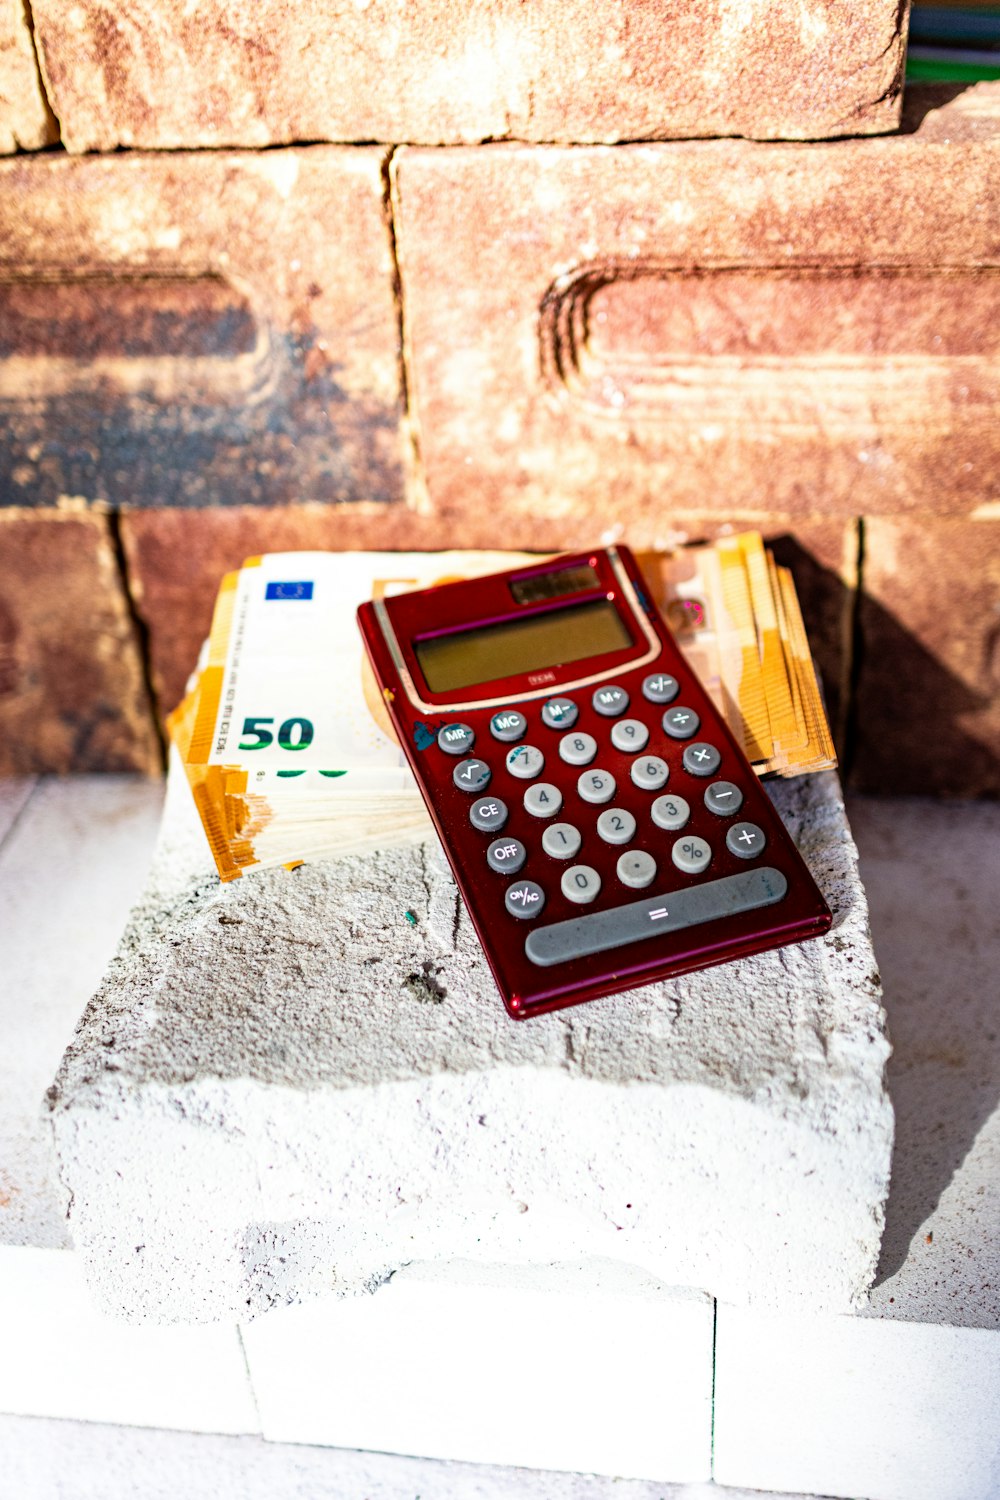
{"points": [[616, 825], [636, 869], [660, 687], [506, 856], [508, 726], [489, 815], [691, 854], [543, 800], [746, 840], [701, 759], [681, 723], [670, 813], [650, 772], [471, 775], [630, 735], [577, 749], [581, 883], [561, 840], [610, 701], [596, 786], [525, 762], [524, 900], [723, 798], [599, 931], [456, 739], [559, 713]]}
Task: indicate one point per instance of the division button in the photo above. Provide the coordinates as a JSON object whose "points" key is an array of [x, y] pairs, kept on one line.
{"points": [[670, 813], [471, 775], [525, 762], [508, 726], [577, 749], [524, 900], [701, 759], [543, 800], [723, 798], [616, 825], [650, 773], [630, 735], [559, 713], [636, 869], [506, 856], [561, 840], [610, 701], [681, 723], [746, 840], [581, 883], [596, 786], [691, 854], [456, 739], [660, 687], [489, 815]]}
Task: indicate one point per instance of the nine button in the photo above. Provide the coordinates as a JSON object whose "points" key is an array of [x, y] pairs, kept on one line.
{"points": [[630, 735]]}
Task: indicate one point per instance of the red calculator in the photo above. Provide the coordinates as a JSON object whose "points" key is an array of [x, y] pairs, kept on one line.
{"points": [[603, 825]]}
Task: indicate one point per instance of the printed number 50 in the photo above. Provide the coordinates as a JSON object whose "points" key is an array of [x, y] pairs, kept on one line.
{"points": [[285, 734]]}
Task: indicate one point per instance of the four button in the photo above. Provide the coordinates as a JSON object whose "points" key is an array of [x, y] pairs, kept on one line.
{"points": [[543, 800]]}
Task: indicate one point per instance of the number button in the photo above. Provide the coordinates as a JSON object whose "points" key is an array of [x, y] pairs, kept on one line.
{"points": [[471, 775], [630, 735], [610, 701], [543, 800], [596, 786], [670, 813], [561, 840], [746, 840], [488, 817], [701, 759], [508, 726], [559, 713], [691, 854], [456, 739], [616, 825], [525, 762], [660, 688], [524, 900], [581, 883], [636, 870], [506, 856], [681, 723], [723, 798], [650, 773], [577, 749]]}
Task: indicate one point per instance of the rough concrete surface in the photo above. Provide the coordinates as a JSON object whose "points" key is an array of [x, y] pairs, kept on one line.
{"points": [[284, 1088], [25, 120], [773, 328], [441, 71]]}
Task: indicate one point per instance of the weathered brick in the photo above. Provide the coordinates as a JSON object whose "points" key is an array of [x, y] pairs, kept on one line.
{"points": [[198, 328], [72, 694], [928, 701], [25, 120], [769, 328], [156, 74]]}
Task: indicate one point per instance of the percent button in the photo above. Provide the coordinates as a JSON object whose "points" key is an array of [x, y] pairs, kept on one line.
{"points": [[691, 854]]}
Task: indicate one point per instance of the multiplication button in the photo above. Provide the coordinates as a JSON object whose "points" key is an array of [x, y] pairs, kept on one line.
{"points": [[508, 726], [559, 713], [723, 798], [562, 841], [660, 687], [670, 813], [596, 786], [471, 775], [524, 900], [456, 739], [506, 856], [543, 800], [610, 701], [581, 883], [489, 815], [691, 854], [746, 840], [577, 749], [637, 869], [701, 759], [525, 761], [630, 735], [616, 825], [681, 723], [650, 773]]}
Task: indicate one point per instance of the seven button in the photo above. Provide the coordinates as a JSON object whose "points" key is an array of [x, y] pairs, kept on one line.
{"points": [[525, 762]]}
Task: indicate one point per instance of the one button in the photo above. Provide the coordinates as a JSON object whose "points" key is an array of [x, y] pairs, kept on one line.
{"points": [[581, 883], [525, 762], [543, 800], [471, 775], [681, 723], [691, 854], [456, 739], [577, 749], [670, 813], [596, 786], [746, 840], [636, 869], [616, 825], [559, 713], [506, 856], [610, 701], [660, 688], [650, 772], [630, 735], [723, 798], [561, 840], [508, 726], [488, 816], [701, 759], [524, 900]]}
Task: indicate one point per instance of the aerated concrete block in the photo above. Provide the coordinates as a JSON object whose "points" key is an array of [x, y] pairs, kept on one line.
{"points": [[286, 1088], [26, 123]]}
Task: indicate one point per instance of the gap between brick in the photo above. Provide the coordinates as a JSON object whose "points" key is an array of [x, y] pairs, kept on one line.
{"points": [[29, 21], [856, 647], [415, 484], [140, 630]]}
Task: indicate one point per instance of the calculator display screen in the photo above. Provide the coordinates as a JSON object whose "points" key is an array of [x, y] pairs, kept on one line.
{"points": [[464, 657]]}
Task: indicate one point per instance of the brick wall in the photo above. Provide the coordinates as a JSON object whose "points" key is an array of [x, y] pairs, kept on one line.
{"points": [[462, 276]]}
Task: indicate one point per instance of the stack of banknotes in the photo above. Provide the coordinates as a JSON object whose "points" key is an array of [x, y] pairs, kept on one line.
{"points": [[285, 741]]}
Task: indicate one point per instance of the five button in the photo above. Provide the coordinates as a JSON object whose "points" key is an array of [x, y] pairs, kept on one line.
{"points": [[596, 786]]}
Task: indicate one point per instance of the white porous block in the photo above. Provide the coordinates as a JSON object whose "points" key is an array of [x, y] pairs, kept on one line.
{"points": [[301, 1081], [594, 1367]]}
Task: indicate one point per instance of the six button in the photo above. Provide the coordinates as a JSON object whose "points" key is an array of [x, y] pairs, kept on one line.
{"points": [[650, 772]]}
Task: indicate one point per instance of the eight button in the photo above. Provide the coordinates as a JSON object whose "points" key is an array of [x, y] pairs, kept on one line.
{"points": [[650, 773], [525, 762], [525, 899], [559, 713], [596, 786], [488, 816], [577, 749], [543, 800], [616, 825], [723, 798], [691, 854], [506, 856], [561, 840], [701, 759], [660, 687], [636, 869], [630, 735], [610, 701], [746, 840], [471, 775], [456, 739], [681, 723], [581, 883], [508, 726], [670, 813]]}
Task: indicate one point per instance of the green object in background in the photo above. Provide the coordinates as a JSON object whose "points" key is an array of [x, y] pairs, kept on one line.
{"points": [[959, 44], [942, 69]]}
